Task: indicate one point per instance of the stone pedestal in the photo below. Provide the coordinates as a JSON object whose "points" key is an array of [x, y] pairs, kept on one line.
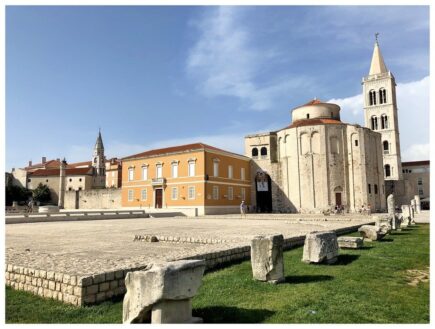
{"points": [[350, 242], [173, 311], [163, 293], [371, 233], [267, 258], [320, 247]]}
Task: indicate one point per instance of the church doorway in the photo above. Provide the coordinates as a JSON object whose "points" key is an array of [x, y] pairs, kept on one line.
{"points": [[263, 188], [159, 198], [338, 199]]}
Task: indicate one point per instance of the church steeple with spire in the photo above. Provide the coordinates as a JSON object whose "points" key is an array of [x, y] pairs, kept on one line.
{"points": [[99, 162], [380, 110]]}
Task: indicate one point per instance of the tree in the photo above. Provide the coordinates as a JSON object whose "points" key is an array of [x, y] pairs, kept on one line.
{"points": [[16, 193], [42, 193]]}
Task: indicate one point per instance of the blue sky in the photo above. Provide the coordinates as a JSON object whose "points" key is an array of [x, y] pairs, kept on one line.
{"points": [[158, 76]]}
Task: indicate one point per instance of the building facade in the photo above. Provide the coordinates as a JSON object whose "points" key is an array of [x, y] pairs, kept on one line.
{"points": [[188, 176], [316, 163], [113, 173]]}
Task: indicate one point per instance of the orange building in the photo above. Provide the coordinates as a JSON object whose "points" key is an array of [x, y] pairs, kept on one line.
{"points": [[187, 176]]}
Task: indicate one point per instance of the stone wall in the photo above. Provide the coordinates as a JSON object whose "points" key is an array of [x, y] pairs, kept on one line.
{"points": [[93, 199]]}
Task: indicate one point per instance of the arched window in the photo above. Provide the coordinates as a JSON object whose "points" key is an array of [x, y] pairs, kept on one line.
{"points": [[386, 147], [263, 152], [384, 121], [382, 96], [308, 116], [255, 152], [374, 120], [372, 97], [387, 171]]}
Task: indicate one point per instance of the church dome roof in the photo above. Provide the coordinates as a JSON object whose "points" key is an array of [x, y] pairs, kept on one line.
{"points": [[316, 109]]}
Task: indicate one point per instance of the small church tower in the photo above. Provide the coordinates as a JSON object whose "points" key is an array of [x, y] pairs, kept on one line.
{"points": [[380, 109], [99, 163]]}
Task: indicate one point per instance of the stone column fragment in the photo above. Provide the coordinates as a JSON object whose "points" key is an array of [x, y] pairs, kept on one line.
{"points": [[391, 204], [417, 203], [406, 215], [267, 258], [371, 232], [320, 247], [163, 293]]}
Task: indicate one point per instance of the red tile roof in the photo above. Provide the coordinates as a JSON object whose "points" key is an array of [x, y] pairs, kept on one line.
{"points": [[313, 122], [47, 164], [79, 164], [416, 163], [56, 172], [314, 101], [176, 149]]}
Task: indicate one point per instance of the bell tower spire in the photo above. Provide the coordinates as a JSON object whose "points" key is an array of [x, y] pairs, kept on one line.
{"points": [[381, 114], [377, 65], [99, 162]]}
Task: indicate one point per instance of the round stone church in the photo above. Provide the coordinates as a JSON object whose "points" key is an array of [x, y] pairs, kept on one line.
{"points": [[316, 164]]}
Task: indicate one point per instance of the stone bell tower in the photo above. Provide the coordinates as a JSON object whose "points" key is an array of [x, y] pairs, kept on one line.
{"points": [[380, 110], [99, 164]]}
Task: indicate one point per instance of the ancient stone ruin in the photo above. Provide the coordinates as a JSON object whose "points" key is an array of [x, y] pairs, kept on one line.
{"points": [[163, 293], [406, 216], [350, 242], [320, 247], [267, 258], [371, 232], [384, 222], [417, 203], [392, 211]]}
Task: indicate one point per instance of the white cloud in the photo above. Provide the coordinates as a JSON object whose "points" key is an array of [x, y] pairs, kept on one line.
{"points": [[416, 152], [225, 63], [413, 110]]}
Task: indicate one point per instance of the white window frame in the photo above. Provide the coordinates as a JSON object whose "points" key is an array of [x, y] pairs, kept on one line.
{"points": [[243, 193], [174, 170], [174, 193], [144, 172], [216, 168], [130, 195], [242, 173], [142, 194], [130, 174], [215, 192], [191, 192], [159, 173], [230, 193], [230, 172], [191, 168]]}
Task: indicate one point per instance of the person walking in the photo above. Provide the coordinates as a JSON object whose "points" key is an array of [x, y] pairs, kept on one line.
{"points": [[243, 209], [30, 206]]}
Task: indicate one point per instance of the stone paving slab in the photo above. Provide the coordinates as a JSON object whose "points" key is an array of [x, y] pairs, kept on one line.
{"points": [[86, 248]]}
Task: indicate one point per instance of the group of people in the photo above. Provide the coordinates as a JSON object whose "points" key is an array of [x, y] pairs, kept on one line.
{"points": [[365, 210]]}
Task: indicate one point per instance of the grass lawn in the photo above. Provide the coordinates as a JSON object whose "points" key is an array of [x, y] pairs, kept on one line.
{"points": [[365, 286]]}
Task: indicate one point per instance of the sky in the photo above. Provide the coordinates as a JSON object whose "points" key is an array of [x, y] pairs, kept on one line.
{"points": [[152, 76]]}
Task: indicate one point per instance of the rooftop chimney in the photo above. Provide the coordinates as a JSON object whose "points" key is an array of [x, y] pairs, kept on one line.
{"points": [[30, 163], [44, 160]]}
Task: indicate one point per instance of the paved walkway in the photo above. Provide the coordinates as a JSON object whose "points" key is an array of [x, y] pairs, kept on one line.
{"points": [[90, 247]]}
